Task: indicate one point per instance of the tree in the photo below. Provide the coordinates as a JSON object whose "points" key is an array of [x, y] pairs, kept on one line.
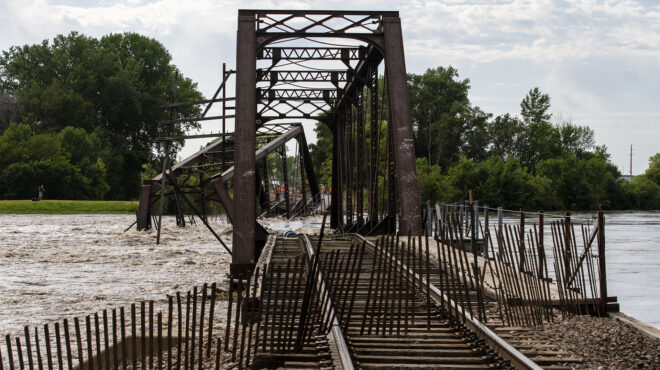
{"points": [[534, 107], [69, 163], [504, 132], [538, 139], [439, 104], [8, 110], [475, 137], [114, 87], [581, 184], [653, 172], [577, 140], [321, 151]]}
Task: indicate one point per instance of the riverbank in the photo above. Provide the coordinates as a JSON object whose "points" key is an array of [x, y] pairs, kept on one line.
{"points": [[67, 207]]}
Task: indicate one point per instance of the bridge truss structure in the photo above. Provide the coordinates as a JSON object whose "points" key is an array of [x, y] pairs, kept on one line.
{"points": [[343, 68]]}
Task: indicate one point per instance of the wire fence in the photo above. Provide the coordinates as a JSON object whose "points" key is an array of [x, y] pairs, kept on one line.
{"points": [[530, 262]]}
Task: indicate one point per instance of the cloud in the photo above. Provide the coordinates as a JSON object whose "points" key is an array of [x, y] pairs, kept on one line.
{"points": [[598, 59], [533, 30]]}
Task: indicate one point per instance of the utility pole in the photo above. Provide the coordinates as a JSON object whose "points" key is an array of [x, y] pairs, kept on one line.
{"points": [[631, 161]]}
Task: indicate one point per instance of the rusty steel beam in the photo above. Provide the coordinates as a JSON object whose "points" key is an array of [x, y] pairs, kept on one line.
{"points": [[360, 74], [297, 94], [309, 168], [195, 158], [410, 218], [270, 147], [335, 22], [333, 76], [144, 208], [244, 247], [310, 53]]}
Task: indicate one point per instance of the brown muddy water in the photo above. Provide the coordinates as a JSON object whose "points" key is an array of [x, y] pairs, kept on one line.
{"points": [[57, 266], [62, 266]]}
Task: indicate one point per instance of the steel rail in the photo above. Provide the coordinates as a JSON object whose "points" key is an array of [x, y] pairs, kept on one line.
{"points": [[335, 329], [499, 345]]}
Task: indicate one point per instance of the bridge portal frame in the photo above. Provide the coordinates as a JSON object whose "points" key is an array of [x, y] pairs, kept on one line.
{"points": [[381, 30]]}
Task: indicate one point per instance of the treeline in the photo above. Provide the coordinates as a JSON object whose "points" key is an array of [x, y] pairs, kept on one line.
{"points": [[80, 115], [527, 160], [523, 161], [70, 163]]}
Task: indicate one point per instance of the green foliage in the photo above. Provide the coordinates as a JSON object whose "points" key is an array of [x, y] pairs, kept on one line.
{"points": [[439, 105], [432, 184], [492, 181], [325, 172], [524, 162], [66, 207], [321, 151], [504, 132], [70, 164], [580, 183], [113, 87], [534, 107], [653, 172]]}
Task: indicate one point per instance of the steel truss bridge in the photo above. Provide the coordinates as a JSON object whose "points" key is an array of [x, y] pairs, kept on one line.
{"points": [[298, 65]]}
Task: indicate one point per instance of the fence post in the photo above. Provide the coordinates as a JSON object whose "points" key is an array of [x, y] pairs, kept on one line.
{"points": [[429, 218], [601, 263], [541, 248], [474, 211], [567, 252], [521, 243], [465, 217], [476, 219], [486, 231]]}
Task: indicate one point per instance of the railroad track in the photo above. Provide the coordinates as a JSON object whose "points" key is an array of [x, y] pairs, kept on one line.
{"points": [[408, 330], [377, 303]]}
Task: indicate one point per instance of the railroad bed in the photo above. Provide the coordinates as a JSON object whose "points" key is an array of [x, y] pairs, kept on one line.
{"points": [[374, 304]]}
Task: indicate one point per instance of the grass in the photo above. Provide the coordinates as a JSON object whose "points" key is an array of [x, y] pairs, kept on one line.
{"points": [[66, 206]]}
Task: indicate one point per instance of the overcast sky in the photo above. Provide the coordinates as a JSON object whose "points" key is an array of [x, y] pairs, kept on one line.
{"points": [[598, 60]]}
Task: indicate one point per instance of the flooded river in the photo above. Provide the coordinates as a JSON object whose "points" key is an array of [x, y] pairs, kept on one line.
{"points": [[57, 266], [632, 242]]}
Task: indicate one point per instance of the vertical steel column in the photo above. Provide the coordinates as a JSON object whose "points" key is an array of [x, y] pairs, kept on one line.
{"points": [[410, 220], [202, 198], [374, 126], [359, 159], [244, 147], [166, 157], [301, 157], [349, 164], [224, 113], [335, 194], [309, 166], [287, 191], [391, 183], [266, 181]]}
